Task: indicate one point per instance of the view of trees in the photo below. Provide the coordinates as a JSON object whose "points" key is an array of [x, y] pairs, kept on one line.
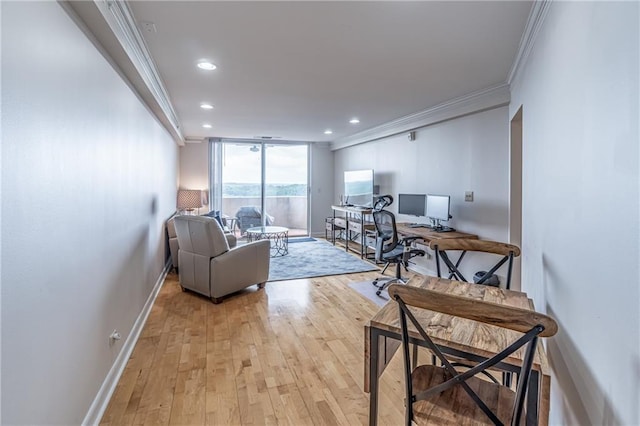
{"points": [[272, 190]]}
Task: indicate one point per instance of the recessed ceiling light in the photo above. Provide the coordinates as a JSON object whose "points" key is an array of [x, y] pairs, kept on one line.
{"points": [[206, 106], [206, 65], [354, 121], [328, 132], [206, 126]]}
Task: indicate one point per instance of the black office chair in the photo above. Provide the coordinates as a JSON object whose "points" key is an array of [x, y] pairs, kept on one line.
{"points": [[391, 249]]}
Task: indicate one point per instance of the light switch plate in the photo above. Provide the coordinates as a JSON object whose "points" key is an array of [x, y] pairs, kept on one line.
{"points": [[468, 196]]}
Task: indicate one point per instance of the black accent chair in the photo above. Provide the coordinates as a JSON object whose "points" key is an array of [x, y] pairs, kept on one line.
{"points": [[391, 249], [249, 217]]}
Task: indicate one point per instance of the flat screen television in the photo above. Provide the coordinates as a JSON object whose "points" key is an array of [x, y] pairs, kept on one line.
{"points": [[358, 188], [411, 204]]}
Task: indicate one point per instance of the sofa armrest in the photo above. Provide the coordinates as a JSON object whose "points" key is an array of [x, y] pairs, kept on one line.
{"points": [[231, 239], [171, 227]]}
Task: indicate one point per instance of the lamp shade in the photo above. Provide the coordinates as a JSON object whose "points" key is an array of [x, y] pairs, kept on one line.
{"points": [[189, 199]]}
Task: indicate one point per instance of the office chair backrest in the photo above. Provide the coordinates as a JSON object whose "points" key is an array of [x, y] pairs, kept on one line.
{"points": [[386, 232], [382, 202]]}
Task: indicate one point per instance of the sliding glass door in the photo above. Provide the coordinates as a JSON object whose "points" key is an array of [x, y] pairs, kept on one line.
{"points": [[286, 186], [249, 178]]}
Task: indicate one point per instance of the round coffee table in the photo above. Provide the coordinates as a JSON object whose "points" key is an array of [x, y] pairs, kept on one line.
{"points": [[279, 236]]}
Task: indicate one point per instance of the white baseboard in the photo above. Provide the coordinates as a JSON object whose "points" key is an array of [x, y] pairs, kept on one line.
{"points": [[100, 402]]}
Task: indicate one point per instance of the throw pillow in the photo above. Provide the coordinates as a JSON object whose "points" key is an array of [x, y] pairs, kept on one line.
{"points": [[216, 215]]}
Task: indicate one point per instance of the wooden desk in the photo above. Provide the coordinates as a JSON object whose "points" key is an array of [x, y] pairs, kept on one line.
{"points": [[457, 337], [353, 221], [429, 235]]}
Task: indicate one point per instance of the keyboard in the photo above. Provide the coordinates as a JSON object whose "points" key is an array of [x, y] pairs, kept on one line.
{"points": [[418, 225]]}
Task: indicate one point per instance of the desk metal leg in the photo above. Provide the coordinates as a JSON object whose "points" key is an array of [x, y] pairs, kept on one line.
{"points": [[374, 345], [347, 233], [361, 236], [333, 228], [533, 398]]}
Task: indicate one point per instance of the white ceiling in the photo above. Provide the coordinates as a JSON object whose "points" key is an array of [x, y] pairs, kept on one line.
{"points": [[294, 69]]}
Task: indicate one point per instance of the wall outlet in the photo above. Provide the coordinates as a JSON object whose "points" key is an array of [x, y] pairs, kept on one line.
{"points": [[114, 337], [468, 196]]}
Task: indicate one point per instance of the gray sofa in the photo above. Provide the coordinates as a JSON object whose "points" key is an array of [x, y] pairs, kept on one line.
{"points": [[173, 240], [209, 267]]}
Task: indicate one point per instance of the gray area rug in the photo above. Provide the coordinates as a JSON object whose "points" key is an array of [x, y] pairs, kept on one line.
{"points": [[315, 259]]}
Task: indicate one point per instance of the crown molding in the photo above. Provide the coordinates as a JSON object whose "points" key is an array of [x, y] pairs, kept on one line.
{"points": [[482, 100], [122, 23], [535, 20]]}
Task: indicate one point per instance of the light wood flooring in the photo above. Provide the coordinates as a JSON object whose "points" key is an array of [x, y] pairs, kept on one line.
{"points": [[291, 353]]}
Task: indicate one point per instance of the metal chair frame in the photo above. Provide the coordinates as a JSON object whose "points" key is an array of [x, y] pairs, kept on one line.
{"points": [[456, 274], [530, 339]]}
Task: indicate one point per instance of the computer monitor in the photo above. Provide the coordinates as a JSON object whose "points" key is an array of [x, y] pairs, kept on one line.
{"points": [[438, 209], [411, 204]]}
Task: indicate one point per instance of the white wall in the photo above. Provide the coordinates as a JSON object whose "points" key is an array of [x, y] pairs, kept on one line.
{"points": [[194, 174], [194, 166], [88, 178], [465, 154], [579, 94], [322, 178]]}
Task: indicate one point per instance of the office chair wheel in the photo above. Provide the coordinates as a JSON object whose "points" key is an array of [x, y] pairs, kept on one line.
{"points": [[378, 292], [375, 283]]}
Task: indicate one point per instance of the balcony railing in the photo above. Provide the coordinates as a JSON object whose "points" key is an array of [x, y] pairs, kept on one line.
{"points": [[288, 211]]}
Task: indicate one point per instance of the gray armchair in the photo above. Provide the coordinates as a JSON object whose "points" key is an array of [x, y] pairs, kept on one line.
{"points": [[173, 241], [209, 267]]}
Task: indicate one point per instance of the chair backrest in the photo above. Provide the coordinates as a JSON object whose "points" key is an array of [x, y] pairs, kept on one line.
{"points": [[250, 216], [507, 252], [386, 232], [382, 201], [201, 235], [531, 323]]}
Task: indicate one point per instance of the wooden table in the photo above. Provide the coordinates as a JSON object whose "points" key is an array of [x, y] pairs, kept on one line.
{"points": [[456, 337], [428, 235]]}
